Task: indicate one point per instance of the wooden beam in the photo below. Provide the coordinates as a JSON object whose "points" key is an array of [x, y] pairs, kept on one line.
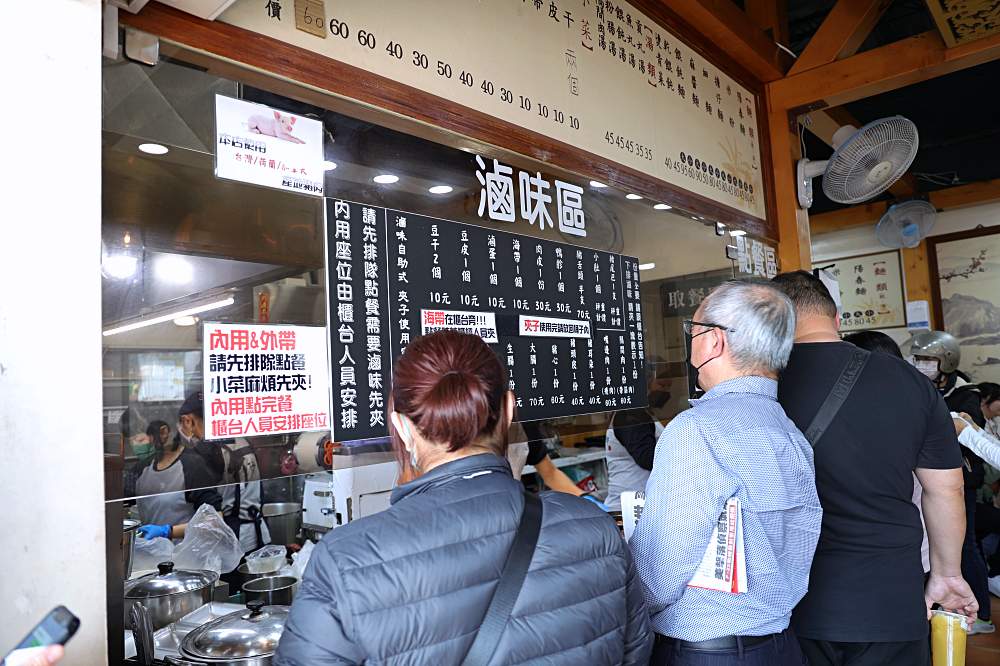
{"points": [[771, 16], [722, 22], [794, 243], [917, 275], [890, 67], [952, 198], [845, 28]]}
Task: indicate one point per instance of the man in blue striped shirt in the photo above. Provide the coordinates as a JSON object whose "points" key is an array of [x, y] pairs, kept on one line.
{"points": [[736, 441]]}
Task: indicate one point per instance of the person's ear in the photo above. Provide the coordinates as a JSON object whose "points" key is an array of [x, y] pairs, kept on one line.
{"points": [[399, 422]]}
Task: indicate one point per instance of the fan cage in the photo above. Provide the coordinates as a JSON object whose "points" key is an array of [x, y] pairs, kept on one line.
{"points": [[889, 140], [890, 230]]}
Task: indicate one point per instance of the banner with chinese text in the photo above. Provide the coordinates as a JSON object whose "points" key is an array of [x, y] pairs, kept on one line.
{"points": [[871, 291]]}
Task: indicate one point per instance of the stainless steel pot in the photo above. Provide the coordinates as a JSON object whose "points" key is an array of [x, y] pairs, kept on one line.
{"points": [[129, 529], [272, 590], [169, 595], [244, 638], [244, 576], [283, 521]]}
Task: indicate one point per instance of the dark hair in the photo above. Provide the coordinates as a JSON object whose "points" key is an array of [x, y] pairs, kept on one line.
{"points": [[988, 391], [807, 292], [451, 386], [875, 341]]}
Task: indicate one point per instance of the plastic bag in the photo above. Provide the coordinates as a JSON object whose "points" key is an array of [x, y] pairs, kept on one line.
{"points": [[266, 560], [208, 544], [149, 553], [301, 559]]}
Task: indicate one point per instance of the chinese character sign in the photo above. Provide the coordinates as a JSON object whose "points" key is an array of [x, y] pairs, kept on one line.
{"points": [[871, 291], [263, 146], [264, 380]]}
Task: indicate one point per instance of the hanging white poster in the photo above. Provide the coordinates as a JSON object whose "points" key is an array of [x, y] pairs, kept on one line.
{"points": [[263, 146], [265, 380]]}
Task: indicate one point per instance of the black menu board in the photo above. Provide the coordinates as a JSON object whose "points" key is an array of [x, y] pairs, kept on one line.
{"points": [[565, 320]]}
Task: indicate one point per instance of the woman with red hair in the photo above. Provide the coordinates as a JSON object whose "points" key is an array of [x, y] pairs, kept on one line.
{"points": [[463, 543]]}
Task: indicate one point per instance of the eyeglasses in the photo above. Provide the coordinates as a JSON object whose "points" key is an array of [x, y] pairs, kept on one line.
{"points": [[688, 324]]}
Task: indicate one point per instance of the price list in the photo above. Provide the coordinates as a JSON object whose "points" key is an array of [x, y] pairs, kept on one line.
{"points": [[566, 321]]}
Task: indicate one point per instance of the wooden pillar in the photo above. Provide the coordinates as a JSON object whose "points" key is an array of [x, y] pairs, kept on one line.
{"points": [[917, 274], [794, 250]]}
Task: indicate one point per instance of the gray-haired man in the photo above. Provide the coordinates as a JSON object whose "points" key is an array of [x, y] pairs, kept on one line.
{"points": [[735, 442]]}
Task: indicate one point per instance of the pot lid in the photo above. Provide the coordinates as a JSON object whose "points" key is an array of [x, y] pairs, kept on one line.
{"points": [[168, 581], [253, 632]]}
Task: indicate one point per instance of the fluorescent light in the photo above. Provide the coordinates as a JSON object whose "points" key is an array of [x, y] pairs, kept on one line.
{"points": [[153, 149], [328, 165], [440, 189], [662, 206], [646, 267], [633, 197], [174, 269], [169, 317], [120, 266], [186, 320], [385, 179], [737, 232], [596, 184]]}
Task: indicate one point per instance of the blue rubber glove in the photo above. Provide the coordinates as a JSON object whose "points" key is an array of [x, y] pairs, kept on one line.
{"points": [[601, 505], [155, 531]]}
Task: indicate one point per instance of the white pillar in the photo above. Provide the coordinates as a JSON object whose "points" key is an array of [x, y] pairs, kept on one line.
{"points": [[51, 467]]}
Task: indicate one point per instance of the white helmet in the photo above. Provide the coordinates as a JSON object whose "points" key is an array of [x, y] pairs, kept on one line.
{"points": [[940, 345]]}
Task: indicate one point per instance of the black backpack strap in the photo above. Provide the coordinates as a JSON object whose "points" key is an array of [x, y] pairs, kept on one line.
{"points": [[511, 580], [837, 396]]}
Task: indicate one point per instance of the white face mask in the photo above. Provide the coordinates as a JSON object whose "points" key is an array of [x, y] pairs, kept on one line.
{"points": [[927, 368]]}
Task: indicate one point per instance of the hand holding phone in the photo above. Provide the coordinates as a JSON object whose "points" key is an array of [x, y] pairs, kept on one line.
{"points": [[43, 645]]}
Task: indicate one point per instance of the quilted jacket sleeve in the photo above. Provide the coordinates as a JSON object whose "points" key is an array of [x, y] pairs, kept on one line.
{"points": [[638, 634]]}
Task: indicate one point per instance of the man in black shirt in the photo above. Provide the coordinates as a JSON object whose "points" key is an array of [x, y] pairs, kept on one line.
{"points": [[865, 604]]}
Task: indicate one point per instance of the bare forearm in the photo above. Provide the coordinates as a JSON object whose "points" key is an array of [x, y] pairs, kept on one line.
{"points": [[556, 479], [944, 514]]}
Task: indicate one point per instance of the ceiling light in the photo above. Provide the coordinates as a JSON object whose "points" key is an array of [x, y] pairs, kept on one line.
{"points": [[737, 232], [153, 149], [328, 165], [174, 269], [385, 179], [594, 183], [662, 206], [120, 266], [440, 189], [186, 320], [646, 267], [633, 197], [169, 317]]}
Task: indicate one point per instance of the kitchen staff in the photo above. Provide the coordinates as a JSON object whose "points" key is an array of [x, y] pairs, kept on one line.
{"points": [[172, 486]]}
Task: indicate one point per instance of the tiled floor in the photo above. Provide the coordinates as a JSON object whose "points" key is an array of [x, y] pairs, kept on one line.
{"points": [[984, 649]]}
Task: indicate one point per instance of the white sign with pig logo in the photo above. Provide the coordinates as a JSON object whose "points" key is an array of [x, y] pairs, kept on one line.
{"points": [[263, 146]]}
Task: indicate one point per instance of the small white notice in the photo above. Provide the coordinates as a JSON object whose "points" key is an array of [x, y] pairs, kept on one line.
{"points": [[263, 146]]}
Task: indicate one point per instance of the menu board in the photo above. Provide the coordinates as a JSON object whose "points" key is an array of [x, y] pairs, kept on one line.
{"points": [[871, 291], [595, 74], [566, 321]]}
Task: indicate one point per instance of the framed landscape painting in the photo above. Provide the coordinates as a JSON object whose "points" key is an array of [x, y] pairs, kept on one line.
{"points": [[965, 280]]}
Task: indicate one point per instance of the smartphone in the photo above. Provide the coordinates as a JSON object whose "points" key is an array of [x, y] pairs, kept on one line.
{"points": [[57, 627]]}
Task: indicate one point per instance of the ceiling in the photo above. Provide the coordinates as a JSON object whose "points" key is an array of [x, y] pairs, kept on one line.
{"points": [[956, 115]]}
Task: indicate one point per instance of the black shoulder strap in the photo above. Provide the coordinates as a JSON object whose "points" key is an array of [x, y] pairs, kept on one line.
{"points": [[511, 581], [838, 394]]}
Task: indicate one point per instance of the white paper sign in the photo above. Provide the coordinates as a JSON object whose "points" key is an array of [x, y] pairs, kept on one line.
{"points": [[918, 315], [263, 146], [483, 324], [265, 380], [871, 292], [550, 327]]}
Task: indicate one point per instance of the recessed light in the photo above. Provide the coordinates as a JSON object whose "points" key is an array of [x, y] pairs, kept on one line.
{"points": [[328, 165], [120, 266], [646, 267], [153, 149], [737, 232], [186, 320], [596, 184], [633, 197], [385, 179], [440, 189], [662, 206], [174, 269]]}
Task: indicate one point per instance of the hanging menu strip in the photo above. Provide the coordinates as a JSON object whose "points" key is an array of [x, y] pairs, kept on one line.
{"points": [[566, 321]]}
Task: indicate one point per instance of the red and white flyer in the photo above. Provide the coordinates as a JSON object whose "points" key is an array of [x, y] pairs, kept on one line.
{"points": [[265, 380]]}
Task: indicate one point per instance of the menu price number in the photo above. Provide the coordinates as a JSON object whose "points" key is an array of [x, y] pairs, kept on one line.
{"points": [[629, 145], [544, 112]]}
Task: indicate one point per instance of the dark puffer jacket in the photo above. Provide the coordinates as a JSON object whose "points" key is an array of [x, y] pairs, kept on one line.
{"points": [[411, 584]]}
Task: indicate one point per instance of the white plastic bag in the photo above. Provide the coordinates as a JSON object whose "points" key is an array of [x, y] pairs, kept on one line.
{"points": [[266, 560], [301, 559], [149, 553], [208, 544]]}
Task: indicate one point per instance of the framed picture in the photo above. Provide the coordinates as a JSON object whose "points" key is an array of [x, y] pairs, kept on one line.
{"points": [[871, 291], [965, 286]]}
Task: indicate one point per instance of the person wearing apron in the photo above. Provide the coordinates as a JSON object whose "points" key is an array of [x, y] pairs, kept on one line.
{"points": [[637, 427]]}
